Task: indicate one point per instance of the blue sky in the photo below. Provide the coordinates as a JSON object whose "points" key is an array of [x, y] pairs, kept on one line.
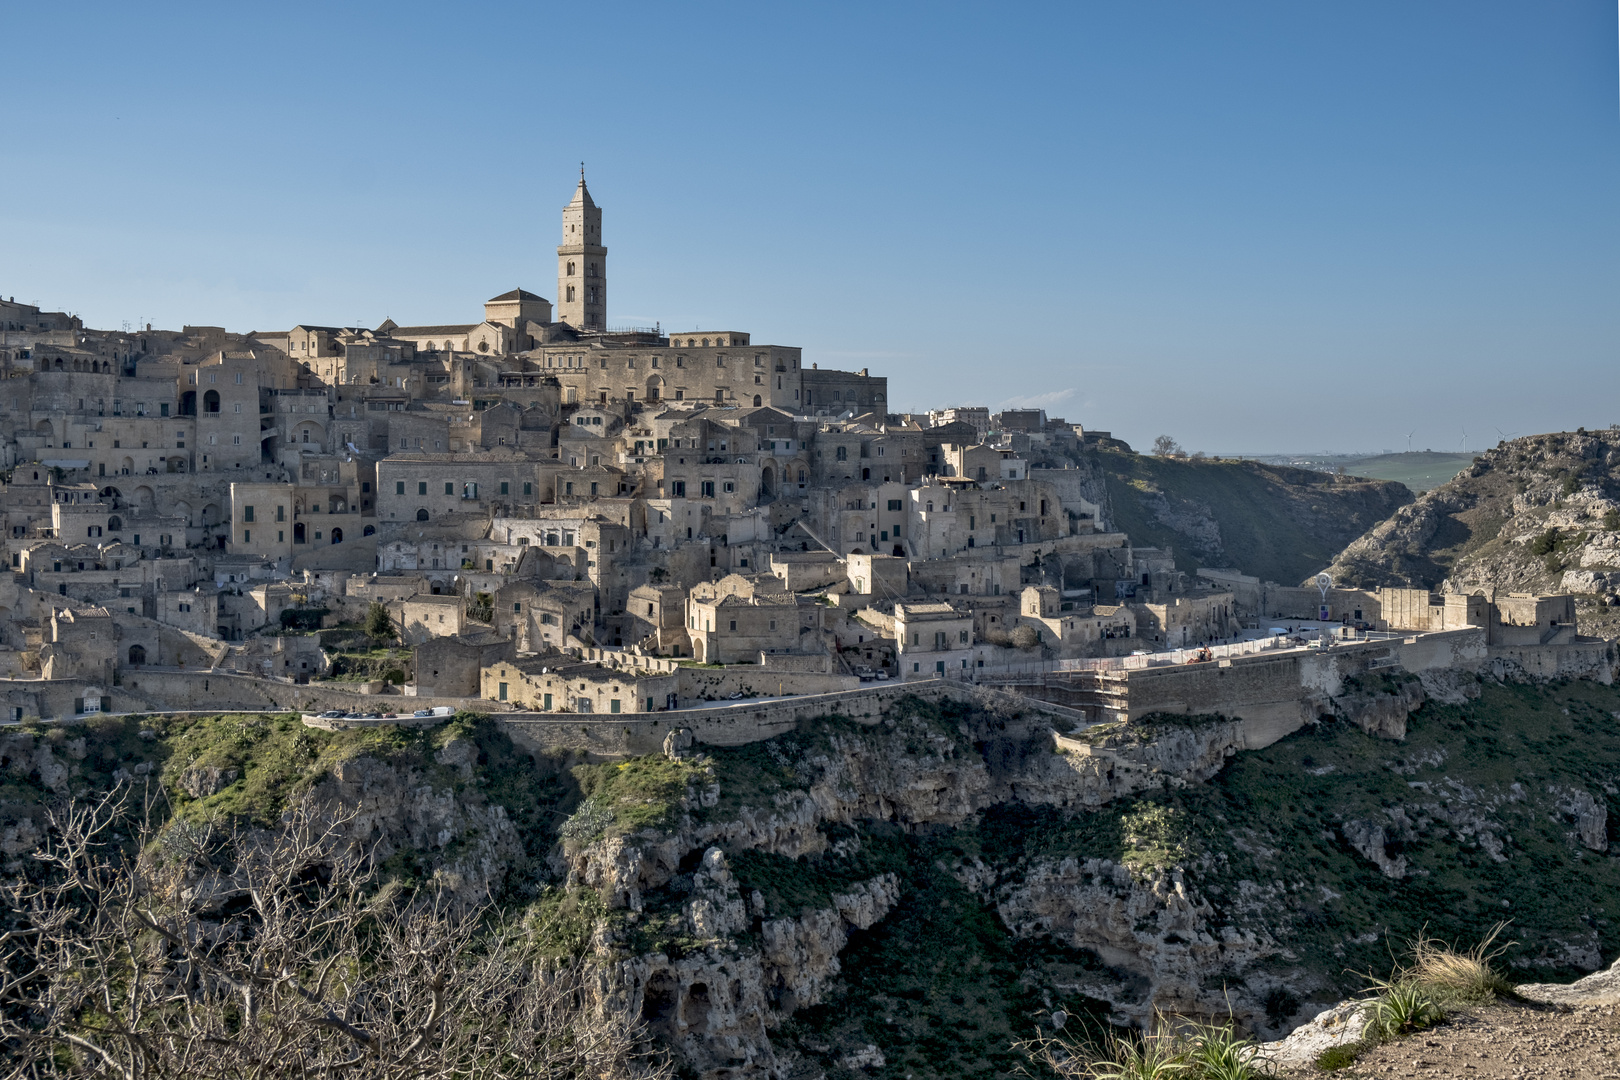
{"points": [[1257, 227]]}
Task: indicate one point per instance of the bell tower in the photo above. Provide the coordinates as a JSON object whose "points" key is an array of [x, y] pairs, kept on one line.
{"points": [[582, 264]]}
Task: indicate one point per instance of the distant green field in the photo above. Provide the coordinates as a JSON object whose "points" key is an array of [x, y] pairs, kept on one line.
{"points": [[1419, 471]]}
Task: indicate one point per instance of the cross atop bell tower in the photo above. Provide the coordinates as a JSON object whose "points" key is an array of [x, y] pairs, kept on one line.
{"points": [[582, 263]]}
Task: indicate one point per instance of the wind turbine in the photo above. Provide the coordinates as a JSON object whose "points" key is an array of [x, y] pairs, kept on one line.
{"points": [[1409, 435], [1465, 441]]}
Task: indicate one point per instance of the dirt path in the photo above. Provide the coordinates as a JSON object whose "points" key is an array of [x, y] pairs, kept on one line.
{"points": [[1506, 1041]]}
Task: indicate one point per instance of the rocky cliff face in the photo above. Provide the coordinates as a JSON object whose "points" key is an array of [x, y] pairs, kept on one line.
{"points": [[418, 803], [1155, 934], [462, 841], [836, 900], [717, 999], [1541, 513]]}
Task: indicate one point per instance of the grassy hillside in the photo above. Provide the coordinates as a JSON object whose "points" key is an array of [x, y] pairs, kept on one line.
{"points": [[1273, 521]]}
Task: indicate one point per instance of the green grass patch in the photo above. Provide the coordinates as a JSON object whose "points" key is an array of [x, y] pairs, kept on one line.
{"points": [[627, 796]]}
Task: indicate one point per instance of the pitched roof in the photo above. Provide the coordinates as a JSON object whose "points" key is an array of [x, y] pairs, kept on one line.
{"points": [[515, 294], [582, 196], [419, 330]]}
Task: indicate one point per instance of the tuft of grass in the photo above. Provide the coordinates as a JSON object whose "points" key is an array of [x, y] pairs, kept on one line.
{"points": [[1198, 1052], [1401, 1008], [1454, 977], [1218, 1052], [1146, 1057]]}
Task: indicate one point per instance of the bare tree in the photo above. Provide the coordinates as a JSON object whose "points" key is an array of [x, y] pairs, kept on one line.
{"points": [[1165, 446], [199, 954]]}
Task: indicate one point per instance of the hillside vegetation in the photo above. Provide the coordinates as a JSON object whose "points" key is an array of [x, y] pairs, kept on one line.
{"points": [[1275, 522]]}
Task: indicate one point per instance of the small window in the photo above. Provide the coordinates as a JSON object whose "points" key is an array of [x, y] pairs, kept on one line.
{"points": [[399, 487]]}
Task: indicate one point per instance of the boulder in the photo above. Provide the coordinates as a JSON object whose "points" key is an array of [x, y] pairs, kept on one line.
{"points": [[1342, 1025]]}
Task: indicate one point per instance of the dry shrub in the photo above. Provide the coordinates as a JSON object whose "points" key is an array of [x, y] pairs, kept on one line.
{"points": [[1458, 976]]}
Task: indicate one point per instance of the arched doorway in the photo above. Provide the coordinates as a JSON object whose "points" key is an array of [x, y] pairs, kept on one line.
{"points": [[422, 514], [298, 532], [137, 655], [655, 388], [767, 483], [370, 530], [211, 401], [898, 550], [115, 524], [337, 536], [758, 401], [188, 403]]}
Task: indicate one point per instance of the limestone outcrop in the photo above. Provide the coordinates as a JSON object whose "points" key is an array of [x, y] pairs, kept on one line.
{"points": [[465, 842], [1342, 1025], [1107, 763], [1599, 988], [716, 1004], [902, 770], [1151, 927]]}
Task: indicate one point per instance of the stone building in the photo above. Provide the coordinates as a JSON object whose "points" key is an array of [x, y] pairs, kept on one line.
{"points": [[934, 640], [553, 684]]}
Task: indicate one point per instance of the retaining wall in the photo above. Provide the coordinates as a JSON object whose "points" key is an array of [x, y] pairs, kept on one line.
{"points": [[1278, 694], [147, 689], [744, 722], [1592, 659]]}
